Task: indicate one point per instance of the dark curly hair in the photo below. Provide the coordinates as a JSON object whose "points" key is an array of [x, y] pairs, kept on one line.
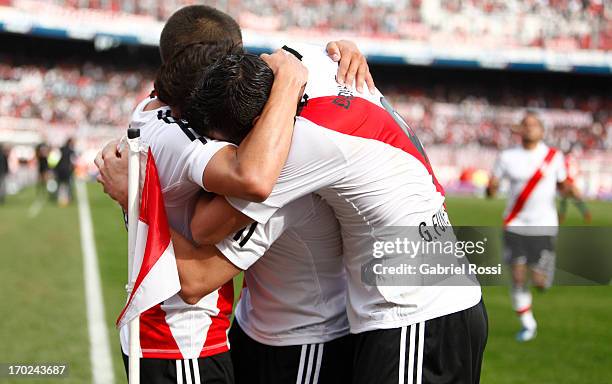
{"points": [[229, 96]]}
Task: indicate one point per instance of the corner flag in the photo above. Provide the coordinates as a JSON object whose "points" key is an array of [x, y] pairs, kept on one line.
{"points": [[154, 271]]}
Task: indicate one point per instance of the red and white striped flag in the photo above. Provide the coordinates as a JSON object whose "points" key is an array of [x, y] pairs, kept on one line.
{"points": [[155, 268]]}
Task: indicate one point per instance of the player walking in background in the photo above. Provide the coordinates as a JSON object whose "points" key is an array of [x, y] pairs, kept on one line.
{"points": [[535, 171], [4, 170], [64, 171], [42, 152], [576, 196]]}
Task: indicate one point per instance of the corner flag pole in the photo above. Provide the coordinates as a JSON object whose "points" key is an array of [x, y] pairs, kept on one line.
{"points": [[133, 135]]}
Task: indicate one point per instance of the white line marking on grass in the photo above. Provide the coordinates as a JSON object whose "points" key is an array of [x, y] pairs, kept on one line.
{"points": [[35, 208], [99, 347]]}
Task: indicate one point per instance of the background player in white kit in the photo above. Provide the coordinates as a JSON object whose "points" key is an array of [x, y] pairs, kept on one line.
{"points": [[352, 150], [535, 171], [180, 339]]}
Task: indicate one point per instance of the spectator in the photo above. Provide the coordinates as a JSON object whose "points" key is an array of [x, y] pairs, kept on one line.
{"points": [[562, 25]]}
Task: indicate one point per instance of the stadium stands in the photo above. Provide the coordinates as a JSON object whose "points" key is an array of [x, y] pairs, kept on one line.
{"points": [[95, 95], [465, 119], [554, 24], [83, 77], [69, 94]]}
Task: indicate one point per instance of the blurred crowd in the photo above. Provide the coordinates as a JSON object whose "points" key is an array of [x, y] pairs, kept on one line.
{"points": [[71, 94], [92, 95], [557, 24], [102, 96], [472, 118]]}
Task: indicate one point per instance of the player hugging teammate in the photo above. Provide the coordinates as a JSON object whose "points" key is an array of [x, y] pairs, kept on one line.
{"points": [[297, 198]]}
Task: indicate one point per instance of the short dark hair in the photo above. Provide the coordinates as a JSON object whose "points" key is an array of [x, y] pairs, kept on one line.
{"points": [[230, 95], [531, 113], [175, 78], [196, 24]]}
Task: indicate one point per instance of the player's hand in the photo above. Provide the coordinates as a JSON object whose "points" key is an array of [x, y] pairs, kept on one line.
{"points": [[113, 167], [286, 67], [352, 68]]}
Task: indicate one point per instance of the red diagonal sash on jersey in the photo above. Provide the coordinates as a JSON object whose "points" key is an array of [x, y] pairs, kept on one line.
{"points": [[157, 273], [529, 187]]}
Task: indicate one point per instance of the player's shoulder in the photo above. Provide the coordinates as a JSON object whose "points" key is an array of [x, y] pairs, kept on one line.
{"points": [[546, 149], [559, 156], [321, 68], [511, 153], [312, 137], [171, 139], [306, 51], [159, 128]]}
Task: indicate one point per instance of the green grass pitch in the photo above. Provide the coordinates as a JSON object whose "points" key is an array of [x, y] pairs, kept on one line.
{"points": [[43, 305]]}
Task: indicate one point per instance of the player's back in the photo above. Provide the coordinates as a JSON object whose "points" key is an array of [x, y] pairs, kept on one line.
{"points": [[355, 151], [174, 329], [388, 175], [180, 155], [296, 293]]}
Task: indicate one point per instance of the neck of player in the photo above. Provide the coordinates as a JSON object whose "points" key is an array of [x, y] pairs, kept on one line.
{"points": [[530, 144]]}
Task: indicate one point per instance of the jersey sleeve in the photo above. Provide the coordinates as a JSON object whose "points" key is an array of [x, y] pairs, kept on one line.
{"points": [[314, 162], [200, 152], [250, 243], [561, 169], [499, 168]]}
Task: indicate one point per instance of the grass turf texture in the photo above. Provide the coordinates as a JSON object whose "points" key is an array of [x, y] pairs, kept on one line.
{"points": [[44, 311], [43, 316]]}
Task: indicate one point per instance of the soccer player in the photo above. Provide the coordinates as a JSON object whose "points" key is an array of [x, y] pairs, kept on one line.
{"points": [[42, 152], [64, 171], [4, 170], [576, 198], [534, 171], [354, 151], [290, 323], [185, 338]]}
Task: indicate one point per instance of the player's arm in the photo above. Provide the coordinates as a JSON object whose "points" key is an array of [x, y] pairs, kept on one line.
{"points": [[314, 162], [352, 66], [214, 219], [492, 187], [564, 185], [250, 171], [497, 174], [202, 269], [566, 190]]}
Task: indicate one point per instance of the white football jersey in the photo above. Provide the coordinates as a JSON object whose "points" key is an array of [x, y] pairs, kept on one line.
{"points": [[174, 329], [539, 214], [296, 293], [356, 152]]}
